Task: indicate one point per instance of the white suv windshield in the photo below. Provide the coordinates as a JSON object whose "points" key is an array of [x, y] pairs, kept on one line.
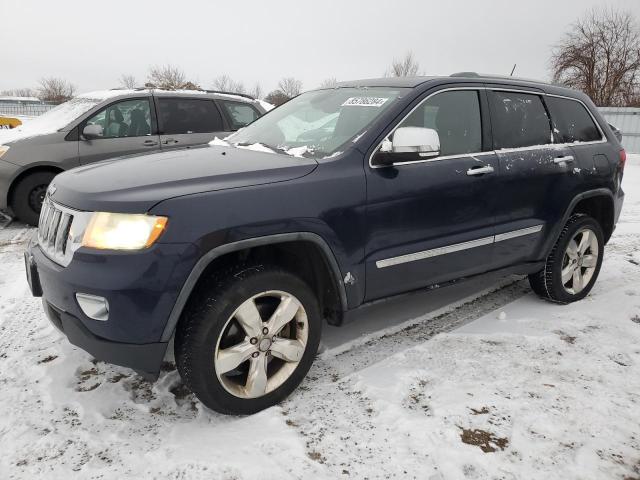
{"points": [[317, 124]]}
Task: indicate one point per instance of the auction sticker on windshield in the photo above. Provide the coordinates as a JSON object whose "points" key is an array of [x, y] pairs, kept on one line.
{"points": [[364, 102]]}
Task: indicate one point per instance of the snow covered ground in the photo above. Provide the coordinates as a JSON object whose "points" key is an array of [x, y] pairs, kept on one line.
{"points": [[480, 380]]}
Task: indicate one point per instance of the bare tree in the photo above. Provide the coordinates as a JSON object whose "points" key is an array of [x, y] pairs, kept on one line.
{"points": [[404, 67], [225, 83], [290, 86], [256, 91], [55, 90], [167, 77], [128, 81], [329, 83], [276, 97], [600, 55], [20, 92]]}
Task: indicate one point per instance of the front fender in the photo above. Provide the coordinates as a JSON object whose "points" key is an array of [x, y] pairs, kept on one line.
{"points": [[221, 250]]}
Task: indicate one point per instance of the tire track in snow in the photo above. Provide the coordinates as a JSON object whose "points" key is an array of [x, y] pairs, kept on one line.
{"points": [[329, 400]]}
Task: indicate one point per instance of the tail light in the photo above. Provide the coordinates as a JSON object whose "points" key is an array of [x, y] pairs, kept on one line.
{"points": [[623, 158]]}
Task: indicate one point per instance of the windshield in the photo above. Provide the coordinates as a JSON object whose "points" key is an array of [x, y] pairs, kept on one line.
{"points": [[319, 123], [63, 114], [51, 121]]}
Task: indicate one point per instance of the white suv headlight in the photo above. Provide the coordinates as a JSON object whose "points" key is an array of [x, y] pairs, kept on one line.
{"points": [[122, 231], [3, 149]]}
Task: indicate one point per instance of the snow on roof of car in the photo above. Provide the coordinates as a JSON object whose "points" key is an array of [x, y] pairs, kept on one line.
{"points": [[266, 105], [105, 94], [20, 99]]}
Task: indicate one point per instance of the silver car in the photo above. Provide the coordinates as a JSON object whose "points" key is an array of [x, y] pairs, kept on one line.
{"points": [[100, 125]]}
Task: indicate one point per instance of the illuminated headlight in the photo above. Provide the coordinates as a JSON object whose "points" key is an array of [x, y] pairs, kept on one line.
{"points": [[3, 149], [122, 231]]}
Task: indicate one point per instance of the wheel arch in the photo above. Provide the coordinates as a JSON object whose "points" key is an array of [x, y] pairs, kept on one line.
{"points": [[598, 203], [25, 173], [252, 246]]}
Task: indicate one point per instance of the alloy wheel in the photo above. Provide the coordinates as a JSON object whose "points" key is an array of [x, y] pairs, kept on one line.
{"points": [[261, 344], [580, 261]]}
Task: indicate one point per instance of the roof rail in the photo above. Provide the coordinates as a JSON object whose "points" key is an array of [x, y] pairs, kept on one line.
{"points": [[222, 92], [465, 74], [231, 93], [137, 89], [498, 77]]}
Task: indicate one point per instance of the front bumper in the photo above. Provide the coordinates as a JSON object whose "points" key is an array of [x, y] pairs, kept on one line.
{"points": [[141, 288], [145, 359]]}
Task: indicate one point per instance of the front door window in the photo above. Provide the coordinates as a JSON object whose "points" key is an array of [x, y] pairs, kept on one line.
{"points": [[129, 118]]}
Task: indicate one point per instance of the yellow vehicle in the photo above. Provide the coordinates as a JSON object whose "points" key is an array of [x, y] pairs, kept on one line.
{"points": [[8, 122]]}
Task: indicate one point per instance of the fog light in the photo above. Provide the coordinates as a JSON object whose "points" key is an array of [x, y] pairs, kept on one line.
{"points": [[93, 306]]}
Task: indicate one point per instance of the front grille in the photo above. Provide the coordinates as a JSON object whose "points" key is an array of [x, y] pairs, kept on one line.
{"points": [[53, 231]]}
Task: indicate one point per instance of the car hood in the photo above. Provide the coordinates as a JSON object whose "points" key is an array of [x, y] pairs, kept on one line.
{"points": [[136, 183]]}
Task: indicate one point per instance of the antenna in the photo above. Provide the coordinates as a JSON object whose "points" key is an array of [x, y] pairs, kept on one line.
{"points": [[513, 70]]}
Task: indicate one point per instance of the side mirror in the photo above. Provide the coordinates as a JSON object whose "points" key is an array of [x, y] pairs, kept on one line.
{"points": [[91, 132], [424, 141], [406, 141]]}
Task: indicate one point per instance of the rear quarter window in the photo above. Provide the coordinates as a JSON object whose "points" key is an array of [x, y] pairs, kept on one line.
{"points": [[571, 121]]}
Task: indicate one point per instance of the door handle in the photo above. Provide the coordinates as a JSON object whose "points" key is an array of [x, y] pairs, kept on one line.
{"points": [[480, 170], [150, 143], [170, 141], [564, 159]]}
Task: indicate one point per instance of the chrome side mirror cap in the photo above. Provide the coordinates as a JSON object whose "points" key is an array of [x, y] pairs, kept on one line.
{"points": [[424, 141]]}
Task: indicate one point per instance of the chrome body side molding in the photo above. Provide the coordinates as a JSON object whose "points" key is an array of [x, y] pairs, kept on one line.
{"points": [[457, 247]]}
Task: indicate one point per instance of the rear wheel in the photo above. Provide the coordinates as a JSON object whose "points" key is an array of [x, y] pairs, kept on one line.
{"points": [[28, 196], [247, 338], [573, 265]]}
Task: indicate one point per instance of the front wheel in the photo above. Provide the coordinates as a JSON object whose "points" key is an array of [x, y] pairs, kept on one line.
{"points": [[247, 338], [28, 196], [572, 267]]}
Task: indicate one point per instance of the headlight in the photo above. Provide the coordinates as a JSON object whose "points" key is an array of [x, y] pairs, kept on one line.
{"points": [[3, 149], [122, 231]]}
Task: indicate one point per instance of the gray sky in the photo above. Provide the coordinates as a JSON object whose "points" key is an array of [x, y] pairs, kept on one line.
{"points": [[93, 43]]}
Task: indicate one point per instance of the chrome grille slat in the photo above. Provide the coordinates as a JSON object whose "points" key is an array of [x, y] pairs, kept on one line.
{"points": [[62, 235], [43, 214], [54, 230], [47, 223]]}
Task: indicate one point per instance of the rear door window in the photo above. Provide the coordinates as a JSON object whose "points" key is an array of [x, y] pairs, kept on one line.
{"points": [[571, 121], [518, 120], [241, 114], [188, 115]]}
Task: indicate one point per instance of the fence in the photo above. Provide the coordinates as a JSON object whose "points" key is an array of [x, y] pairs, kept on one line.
{"points": [[627, 120], [21, 110]]}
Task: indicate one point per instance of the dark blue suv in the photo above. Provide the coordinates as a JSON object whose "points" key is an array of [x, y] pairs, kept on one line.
{"points": [[240, 250]]}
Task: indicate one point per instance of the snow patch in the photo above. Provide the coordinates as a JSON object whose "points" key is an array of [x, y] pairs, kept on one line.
{"points": [[266, 105]]}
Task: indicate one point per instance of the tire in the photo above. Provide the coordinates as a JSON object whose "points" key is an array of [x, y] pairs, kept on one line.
{"points": [[211, 325], [28, 194], [548, 283]]}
